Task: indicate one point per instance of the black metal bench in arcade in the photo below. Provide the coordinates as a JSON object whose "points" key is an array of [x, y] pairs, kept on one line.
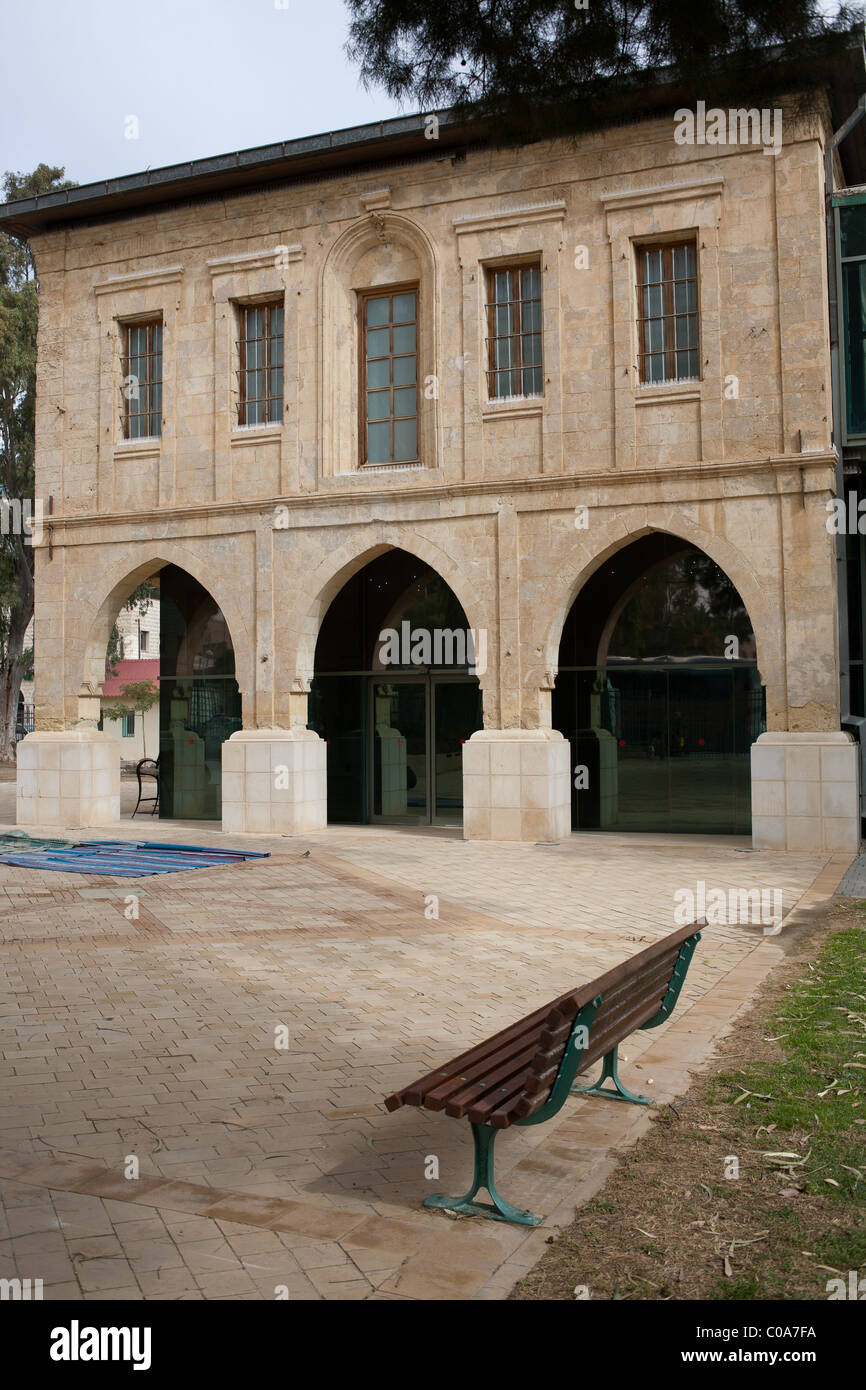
{"points": [[523, 1075]]}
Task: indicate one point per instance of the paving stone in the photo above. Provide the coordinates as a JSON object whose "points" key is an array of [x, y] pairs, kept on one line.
{"points": [[261, 1164]]}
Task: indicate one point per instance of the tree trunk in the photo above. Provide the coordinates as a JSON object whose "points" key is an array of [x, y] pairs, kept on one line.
{"points": [[10, 681]]}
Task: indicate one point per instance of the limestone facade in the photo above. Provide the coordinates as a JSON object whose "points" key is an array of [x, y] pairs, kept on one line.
{"points": [[274, 519]]}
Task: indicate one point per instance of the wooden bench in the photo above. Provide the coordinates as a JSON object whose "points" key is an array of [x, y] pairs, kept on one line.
{"points": [[523, 1075]]}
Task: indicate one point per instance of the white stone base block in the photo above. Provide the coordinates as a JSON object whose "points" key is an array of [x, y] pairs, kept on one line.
{"points": [[69, 778], [274, 782], [516, 785], [806, 793]]}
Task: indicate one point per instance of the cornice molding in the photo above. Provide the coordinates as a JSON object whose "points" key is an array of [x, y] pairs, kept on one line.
{"points": [[795, 464], [274, 258], [509, 217], [139, 279], [622, 199]]}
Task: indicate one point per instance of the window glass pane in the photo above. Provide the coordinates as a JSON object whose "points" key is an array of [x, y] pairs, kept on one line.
{"points": [[378, 405], [854, 330], [503, 352], [404, 308], [405, 440], [652, 267], [501, 286], [680, 264], [379, 443], [378, 342], [156, 338], [404, 370], [531, 278], [503, 320], [532, 381], [377, 311], [685, 331], [276, 351], [404, 401], [378, 372], [654, 338], [686, 365], [655, 368], [276, 383], [276, 320], [253, 323], [653, 301], [531, 317], [404, 338], [531, 348]]}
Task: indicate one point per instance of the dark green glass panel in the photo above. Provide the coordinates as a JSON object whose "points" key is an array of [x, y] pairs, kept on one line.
{"points": [[854, 332]]}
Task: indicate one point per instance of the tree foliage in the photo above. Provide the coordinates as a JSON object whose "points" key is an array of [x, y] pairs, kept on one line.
{"points": [[18, 316], [540, 66], [137, 697], [140, 599]]}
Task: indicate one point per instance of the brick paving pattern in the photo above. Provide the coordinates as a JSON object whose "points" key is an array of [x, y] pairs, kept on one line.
{"points": [[270, 1171]]}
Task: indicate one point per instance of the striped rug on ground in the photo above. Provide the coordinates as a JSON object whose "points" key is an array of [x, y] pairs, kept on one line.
{"points": [[128, 858]]}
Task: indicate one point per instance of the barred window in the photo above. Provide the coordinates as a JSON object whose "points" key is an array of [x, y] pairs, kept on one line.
{"points": [[260, 350], [514, 362], [142, 380], [389, 381], [667, 312]]}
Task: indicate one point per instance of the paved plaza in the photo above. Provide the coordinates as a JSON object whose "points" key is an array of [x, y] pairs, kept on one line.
{"points": [[270, 1170]]}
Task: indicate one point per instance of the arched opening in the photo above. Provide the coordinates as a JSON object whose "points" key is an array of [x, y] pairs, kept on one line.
{"points": [[659, 693], [396, 694], [170, 689]]}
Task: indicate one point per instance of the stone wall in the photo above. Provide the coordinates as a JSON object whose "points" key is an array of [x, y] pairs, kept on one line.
{"points": [[273, 520]]}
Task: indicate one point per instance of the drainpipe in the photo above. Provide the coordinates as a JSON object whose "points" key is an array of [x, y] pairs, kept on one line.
{"points": [[836, 366]]}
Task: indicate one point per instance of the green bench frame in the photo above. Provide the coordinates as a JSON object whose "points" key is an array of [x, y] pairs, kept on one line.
{"points": [[484, 1135]]}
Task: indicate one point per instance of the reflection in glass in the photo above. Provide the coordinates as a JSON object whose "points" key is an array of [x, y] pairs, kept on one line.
{"points": [[664, 718]]}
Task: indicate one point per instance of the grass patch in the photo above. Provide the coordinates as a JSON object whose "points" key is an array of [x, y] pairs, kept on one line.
{"points": [[786, 1099]]}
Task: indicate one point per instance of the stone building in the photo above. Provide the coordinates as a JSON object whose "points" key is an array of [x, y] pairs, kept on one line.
{"points": [[478, 482]]}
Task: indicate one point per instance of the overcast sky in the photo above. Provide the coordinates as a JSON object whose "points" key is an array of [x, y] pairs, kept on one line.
{"points": [[201, 77]]}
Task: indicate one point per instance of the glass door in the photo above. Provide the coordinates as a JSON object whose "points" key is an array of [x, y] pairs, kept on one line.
{"points": [[398, 713], [456, 715]]}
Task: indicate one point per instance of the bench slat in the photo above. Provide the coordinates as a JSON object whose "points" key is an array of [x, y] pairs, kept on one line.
{"points": [[621, 1002], [552, 1015], [509, 1076], [524, 1048]]}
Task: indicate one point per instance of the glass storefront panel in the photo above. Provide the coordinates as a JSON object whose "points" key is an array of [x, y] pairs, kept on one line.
{"points": [[338, 713], [456, 716], [393, 695], [400, 764], [663, 750], [199, 699]]}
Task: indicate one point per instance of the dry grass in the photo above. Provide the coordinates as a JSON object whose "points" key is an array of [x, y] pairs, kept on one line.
{"points": [[670, 1225]]}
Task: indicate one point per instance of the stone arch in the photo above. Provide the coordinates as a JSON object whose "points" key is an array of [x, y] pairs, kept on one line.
{"points": [[760, 603], [382, 248], [341, 565], [86, 652]]}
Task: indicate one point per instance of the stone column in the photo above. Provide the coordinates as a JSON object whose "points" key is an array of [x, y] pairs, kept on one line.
{"points": [[516, 785], [274, 782], [806, 792], [69, 778]]}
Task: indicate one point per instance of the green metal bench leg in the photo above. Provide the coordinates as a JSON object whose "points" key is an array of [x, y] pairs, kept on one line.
{"points": [[610, 1072], [500, 1210]]}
